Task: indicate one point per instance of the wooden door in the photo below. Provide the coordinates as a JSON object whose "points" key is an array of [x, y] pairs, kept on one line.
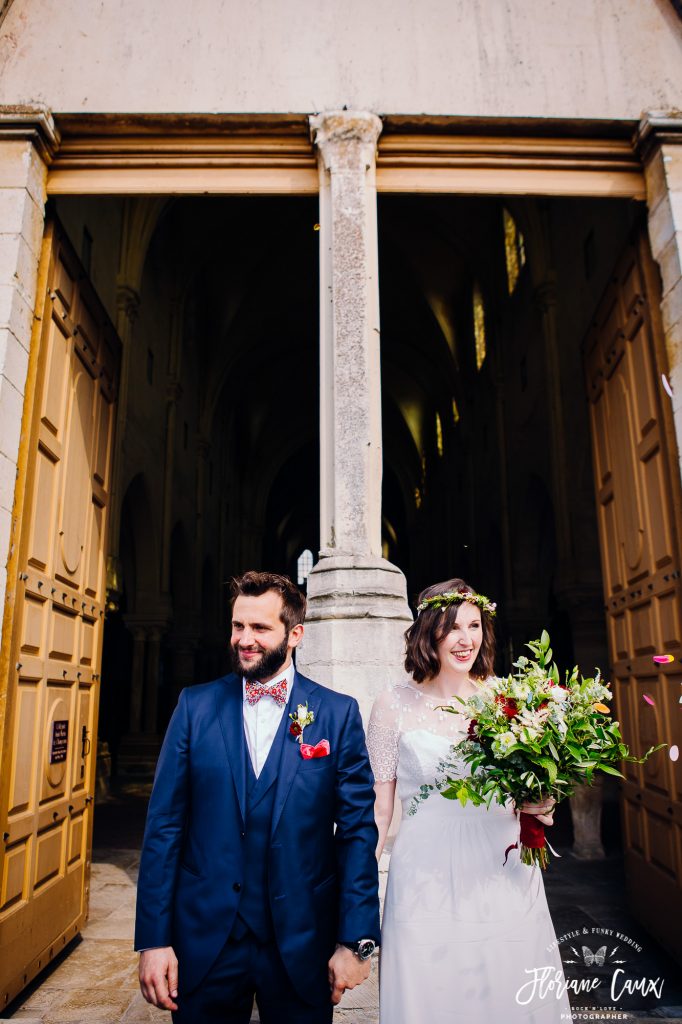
{"points": [[58, 544], [637, 478]]}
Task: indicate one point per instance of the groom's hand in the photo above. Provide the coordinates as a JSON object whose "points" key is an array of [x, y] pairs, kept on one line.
{"points": [[159, 977], [346, 970]]}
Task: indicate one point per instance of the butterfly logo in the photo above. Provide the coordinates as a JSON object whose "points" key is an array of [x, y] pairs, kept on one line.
{"points": [[591, 958], [596, 959]]}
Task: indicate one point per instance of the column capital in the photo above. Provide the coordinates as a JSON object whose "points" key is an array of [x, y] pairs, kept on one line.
{"points": [[203, 446], [346, 139], [545, 294], [173, 390], [127, 301], [657, 129], [147, 625], [30, 123]]}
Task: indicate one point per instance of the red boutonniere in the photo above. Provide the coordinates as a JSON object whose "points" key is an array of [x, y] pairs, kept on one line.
{"points": [[299, 720]]}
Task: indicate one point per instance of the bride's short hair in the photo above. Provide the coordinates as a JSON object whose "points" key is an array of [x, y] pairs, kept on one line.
{"points": [[433, 623]]}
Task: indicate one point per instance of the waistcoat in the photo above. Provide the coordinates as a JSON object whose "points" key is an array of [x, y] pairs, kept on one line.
{"points": [[254, 904]]}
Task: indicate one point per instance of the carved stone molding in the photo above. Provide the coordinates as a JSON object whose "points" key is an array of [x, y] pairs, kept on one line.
{"points": [[655, 130], [31, 124]]}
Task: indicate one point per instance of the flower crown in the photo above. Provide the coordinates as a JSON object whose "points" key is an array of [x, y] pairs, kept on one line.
{"points": [[457, 597]]}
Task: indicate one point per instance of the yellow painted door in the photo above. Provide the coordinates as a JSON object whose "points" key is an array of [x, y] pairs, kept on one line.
{"points": [[637, 479], [54, 644]]}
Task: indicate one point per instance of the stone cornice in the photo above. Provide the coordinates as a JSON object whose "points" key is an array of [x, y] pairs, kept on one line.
{"points": [[657, 129], [32, 124]]}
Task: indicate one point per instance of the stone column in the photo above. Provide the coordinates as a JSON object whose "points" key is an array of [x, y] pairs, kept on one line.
{"points": [[173, 395], [137, 678], [586, 809], [584, 604], [659, 142], [151, 697], [28, 139], [127, 308], [183, 661], [202, 449], [358, 607], [545, 298]]}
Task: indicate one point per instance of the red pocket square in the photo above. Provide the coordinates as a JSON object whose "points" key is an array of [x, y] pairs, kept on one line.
{"points": [[320, 749]]}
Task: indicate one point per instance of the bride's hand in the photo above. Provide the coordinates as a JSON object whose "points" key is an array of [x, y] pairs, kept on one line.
{"points": [[543, 811]]}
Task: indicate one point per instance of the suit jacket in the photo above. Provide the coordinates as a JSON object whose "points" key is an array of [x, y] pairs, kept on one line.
{"points": [[322, 870]]}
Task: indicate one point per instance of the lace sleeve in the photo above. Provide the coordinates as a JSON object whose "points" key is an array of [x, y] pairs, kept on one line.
{"points": [[383, 733]]}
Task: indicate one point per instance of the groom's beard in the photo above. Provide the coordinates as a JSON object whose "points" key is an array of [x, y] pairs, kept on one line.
{"points": [[265, 666]]}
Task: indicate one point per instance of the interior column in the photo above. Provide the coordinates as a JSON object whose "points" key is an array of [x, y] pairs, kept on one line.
{"points": [[358, 607]]}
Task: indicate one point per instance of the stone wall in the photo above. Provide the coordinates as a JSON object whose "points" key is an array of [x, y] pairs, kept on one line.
{"points": [[589, 59], [22, 200]]}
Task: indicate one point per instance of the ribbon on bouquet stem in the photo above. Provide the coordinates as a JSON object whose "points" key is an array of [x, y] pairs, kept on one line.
{"points": [[532, 837]]}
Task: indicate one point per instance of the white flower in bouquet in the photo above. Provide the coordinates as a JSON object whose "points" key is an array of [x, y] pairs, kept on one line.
{"points": [[595, 692], [503, 743], [558, 720], [520, 691]]}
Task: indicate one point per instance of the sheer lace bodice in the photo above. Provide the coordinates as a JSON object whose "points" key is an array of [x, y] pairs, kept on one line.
{"points": [[409, 735]]}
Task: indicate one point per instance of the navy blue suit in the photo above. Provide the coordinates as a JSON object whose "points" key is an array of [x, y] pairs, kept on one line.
{"points": [[305, 875]]}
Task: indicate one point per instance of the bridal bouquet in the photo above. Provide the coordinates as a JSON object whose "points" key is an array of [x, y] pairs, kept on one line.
{"points": [[532, 737]]}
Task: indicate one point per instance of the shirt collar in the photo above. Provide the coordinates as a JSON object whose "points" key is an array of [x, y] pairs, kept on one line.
{"points": [[288, 674]]}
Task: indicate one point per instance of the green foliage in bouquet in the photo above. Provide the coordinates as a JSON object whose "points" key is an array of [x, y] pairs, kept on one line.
{"points": [[532, 736]]}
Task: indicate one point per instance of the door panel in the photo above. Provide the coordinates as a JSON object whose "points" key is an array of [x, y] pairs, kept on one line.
{"points": [[48, 776], [637, 484]]}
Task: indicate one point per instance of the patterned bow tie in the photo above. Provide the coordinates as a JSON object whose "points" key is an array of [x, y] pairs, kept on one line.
{"points": [[255, 690]]}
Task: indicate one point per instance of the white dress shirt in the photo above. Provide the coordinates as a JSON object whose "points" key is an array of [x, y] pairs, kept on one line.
{"points": [[262, 720]]}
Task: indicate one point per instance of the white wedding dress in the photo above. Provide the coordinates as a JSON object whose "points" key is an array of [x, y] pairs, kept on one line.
{"points": [[462, 934]]}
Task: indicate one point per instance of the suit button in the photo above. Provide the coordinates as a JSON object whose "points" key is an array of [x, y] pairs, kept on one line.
{"points": [[237, 886], [243, 835]]}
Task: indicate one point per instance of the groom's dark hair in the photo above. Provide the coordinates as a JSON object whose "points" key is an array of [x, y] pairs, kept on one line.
{"points": [[253, 584]]}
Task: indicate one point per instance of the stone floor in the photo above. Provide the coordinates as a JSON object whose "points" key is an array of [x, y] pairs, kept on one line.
{"points": [[95, 979]]}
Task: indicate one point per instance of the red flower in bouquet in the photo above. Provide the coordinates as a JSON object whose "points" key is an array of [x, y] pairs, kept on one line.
{"points": [[509, 705], [295, 729]]}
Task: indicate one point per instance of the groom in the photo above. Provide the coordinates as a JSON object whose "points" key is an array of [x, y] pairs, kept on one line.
{"points": [[258, 873]]}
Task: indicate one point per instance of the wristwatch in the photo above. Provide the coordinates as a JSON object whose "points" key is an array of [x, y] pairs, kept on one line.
{"points": [[362, 949]]}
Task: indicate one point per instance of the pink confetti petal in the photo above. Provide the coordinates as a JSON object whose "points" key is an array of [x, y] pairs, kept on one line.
{"points": [[649, 700], [666, 384], [674, 753], [663, 659]]}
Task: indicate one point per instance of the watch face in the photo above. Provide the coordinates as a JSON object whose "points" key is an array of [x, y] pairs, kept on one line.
{"points": [[365, 948]]}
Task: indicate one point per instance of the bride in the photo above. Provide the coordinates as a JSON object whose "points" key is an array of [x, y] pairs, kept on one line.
{"points": [[464, 937]]}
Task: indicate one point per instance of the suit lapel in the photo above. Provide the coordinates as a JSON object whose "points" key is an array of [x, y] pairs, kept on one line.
{"points": [[303, 690], [229, 700]]}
